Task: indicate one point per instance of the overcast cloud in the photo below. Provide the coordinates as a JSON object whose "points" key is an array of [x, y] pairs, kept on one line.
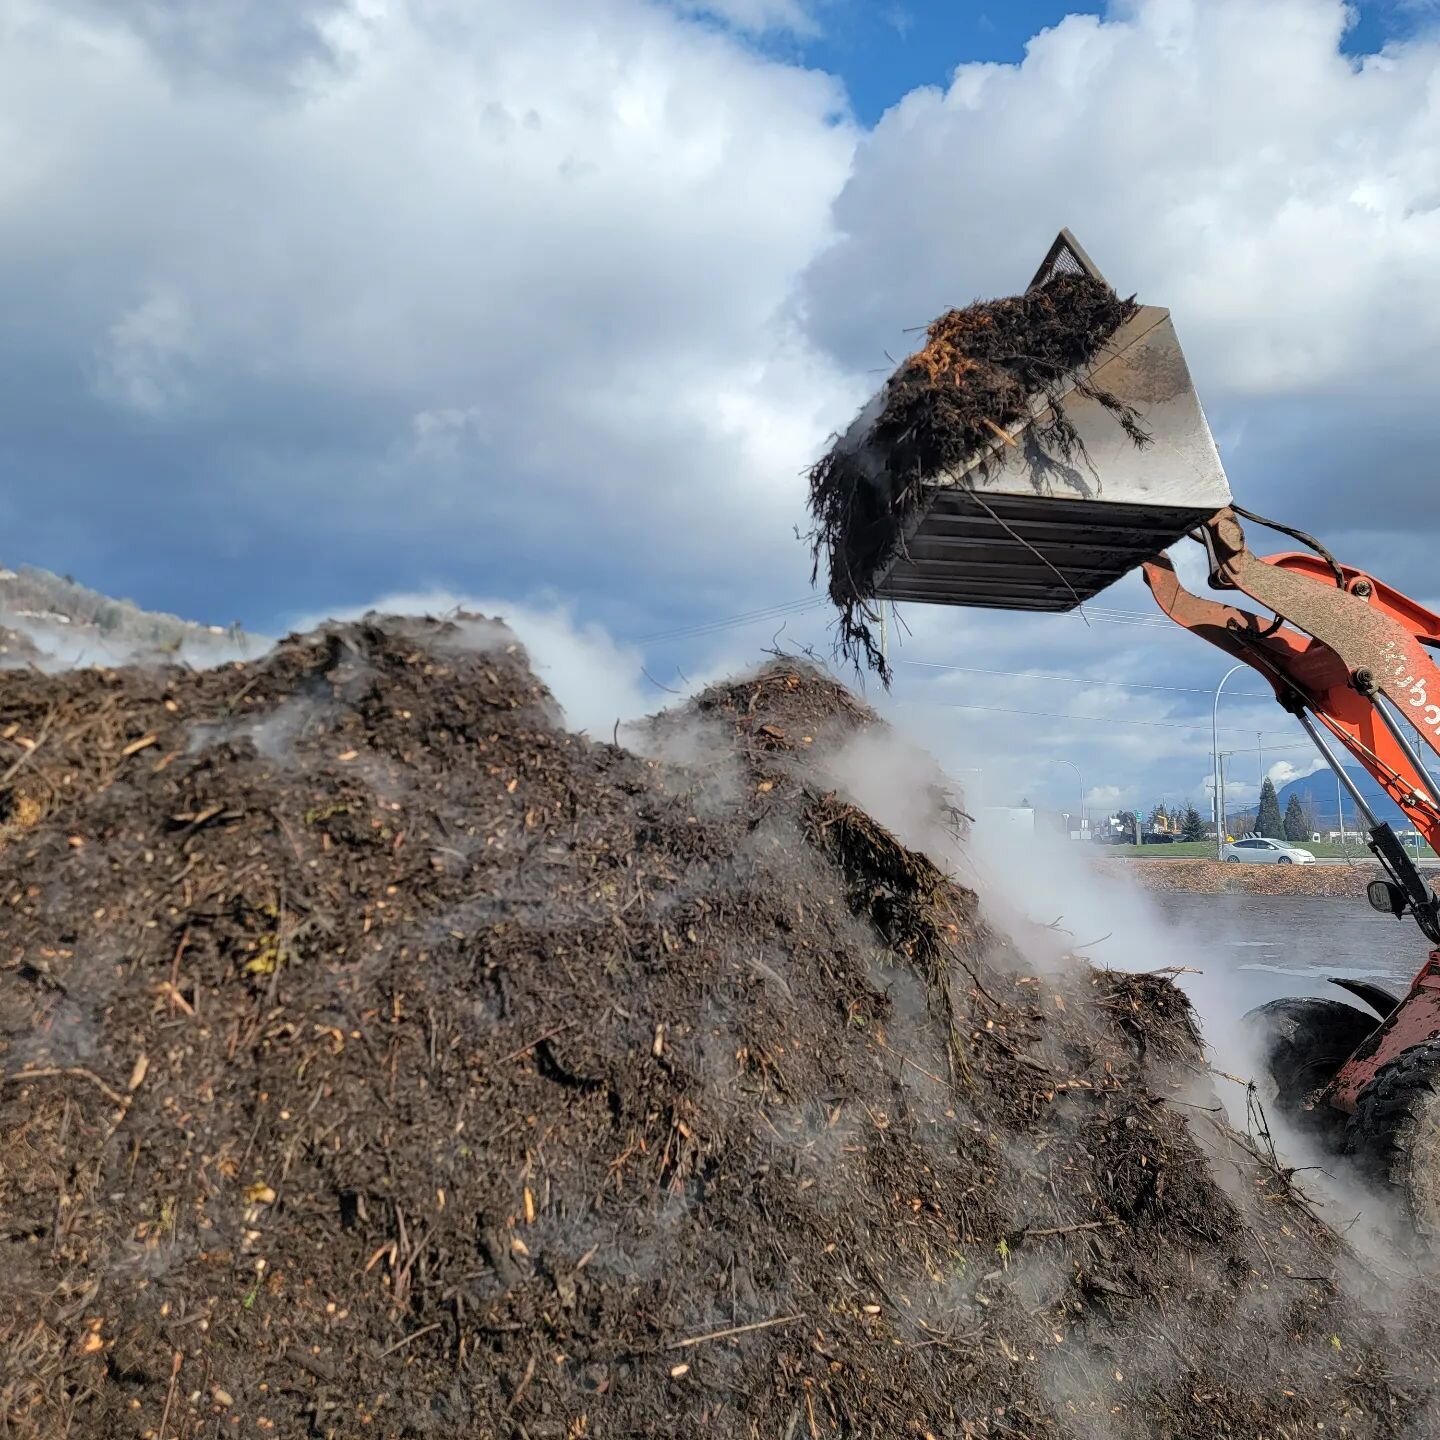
{"points": [[314, 304]]}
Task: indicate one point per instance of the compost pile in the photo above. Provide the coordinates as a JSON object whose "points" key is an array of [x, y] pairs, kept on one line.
{"points": [[382, 1059], [16, 648], [981, 370]]}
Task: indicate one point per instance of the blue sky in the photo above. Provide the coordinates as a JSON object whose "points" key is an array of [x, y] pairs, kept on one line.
{"points": [[548, 307], [883, 49]]}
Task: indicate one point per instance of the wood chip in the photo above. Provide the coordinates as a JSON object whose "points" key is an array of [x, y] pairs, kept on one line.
{"points": [[136, 746], [138, 1074]]}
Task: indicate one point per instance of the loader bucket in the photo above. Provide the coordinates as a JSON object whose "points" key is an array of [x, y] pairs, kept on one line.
{"points": [[1015, 529]]}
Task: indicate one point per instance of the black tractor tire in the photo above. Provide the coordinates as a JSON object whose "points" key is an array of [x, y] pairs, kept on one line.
{"points": [[1394, 1135], [1301, 1044]]}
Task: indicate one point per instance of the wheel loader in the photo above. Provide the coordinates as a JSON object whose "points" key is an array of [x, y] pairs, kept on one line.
{"points": [[1346, 654]]}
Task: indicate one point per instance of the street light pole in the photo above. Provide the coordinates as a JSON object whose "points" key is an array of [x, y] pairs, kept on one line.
{"points": [[1081, 779], [1215, 753]]}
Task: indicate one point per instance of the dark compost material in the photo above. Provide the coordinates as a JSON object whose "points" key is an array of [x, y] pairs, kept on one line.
{"points": [[980, 371], [381, 1059]]}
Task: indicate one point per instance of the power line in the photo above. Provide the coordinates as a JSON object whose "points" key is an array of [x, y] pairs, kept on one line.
{"points": [[1083, 680], [1105, 615], [730, 622], [1093, 719]]}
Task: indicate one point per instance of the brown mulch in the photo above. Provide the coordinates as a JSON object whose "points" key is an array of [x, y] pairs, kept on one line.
{"points": [[979, 371], [379, 1058], [1213, 877]]}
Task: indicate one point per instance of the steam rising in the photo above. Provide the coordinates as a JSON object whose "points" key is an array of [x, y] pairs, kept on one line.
{"points": [[1059, 900]]}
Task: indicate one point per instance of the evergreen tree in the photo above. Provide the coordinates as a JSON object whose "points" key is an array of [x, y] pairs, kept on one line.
{"points": [[1270, 824], [1192, 826], [1298, 825], [1159, 817]]}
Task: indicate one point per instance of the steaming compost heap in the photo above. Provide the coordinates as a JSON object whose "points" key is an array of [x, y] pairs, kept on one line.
{"points": [[382, 1059], [981, 370]]}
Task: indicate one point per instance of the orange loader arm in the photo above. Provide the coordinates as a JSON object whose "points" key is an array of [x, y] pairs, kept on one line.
{"points": [[1343, 651]]}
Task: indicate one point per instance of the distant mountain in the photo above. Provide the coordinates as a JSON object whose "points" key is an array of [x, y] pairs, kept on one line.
{"points": [[1317, 797], [51, 620]]}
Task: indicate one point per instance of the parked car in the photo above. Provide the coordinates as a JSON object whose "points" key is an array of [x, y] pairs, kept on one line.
{"points": [[1256, 851]]}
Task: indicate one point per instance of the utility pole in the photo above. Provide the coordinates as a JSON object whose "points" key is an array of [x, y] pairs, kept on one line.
{"points": [[1080, 780], [1219, 767]]}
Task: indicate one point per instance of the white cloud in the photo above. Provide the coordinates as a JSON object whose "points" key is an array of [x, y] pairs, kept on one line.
{"points": [[1221, 157], [146, 359], [554, 240], [1283, 772]]}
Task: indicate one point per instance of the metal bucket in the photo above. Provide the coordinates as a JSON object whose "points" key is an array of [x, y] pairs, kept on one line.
{"points": [[1030, 533]]}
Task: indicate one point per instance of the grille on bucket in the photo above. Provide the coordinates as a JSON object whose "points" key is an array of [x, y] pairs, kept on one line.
{"points": [[1066, 257]]}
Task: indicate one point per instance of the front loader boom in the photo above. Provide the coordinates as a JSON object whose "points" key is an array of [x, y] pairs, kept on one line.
{"points": [[1344, 653]]}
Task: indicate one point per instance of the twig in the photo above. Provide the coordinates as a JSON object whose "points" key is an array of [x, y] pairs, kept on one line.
{"points": [[539, 1040], [176, 1362], [657, 684], [1069, 1229], [1079, 604], [41, 735], [906, 1060], [78, 1071], [521, 1388], [243, 691], [733, 1330], [414, 1335]]}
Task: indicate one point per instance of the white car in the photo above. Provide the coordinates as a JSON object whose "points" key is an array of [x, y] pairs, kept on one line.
{"points": [[1266, 852]]}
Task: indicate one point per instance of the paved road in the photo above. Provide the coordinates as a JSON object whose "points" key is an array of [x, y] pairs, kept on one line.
{"points": [[1258, 947]]}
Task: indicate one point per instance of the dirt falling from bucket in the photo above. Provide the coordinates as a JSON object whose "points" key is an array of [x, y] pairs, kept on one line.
{"points": [[981, 370]]}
